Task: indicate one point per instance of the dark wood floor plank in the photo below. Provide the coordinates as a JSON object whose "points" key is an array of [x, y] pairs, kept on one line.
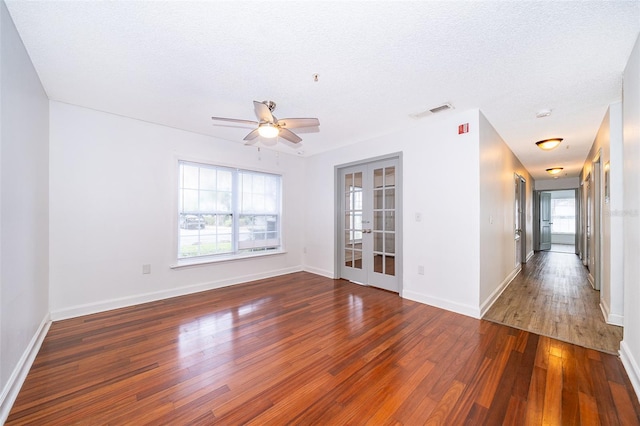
{"points": [[304, 349], [624, 406], [552, 411]]}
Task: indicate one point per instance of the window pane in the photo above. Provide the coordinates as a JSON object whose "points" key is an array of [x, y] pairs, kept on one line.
{"points": [[207, 178], [377, 241], [190, 177], [224, 201], [190, 200], [207, 208], [377, 178], [225, 180], [207, 201], [357, 199], [389, 221], [389, 202], [348, 182], [563, 215], [390, 176], [377, 198]]}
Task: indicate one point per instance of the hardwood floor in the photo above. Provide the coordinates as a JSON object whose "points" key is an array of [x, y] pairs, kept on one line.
{"points": [[552, 296], [303, 349]]}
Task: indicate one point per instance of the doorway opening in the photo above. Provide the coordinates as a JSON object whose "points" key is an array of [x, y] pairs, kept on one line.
{"points": [[557, 226], [520, 220]]}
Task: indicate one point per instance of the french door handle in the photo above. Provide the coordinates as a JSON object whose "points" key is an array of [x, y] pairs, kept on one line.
{"points": [[366, 231]]}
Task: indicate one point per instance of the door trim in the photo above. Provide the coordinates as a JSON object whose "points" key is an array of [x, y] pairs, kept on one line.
{"points": [[337, 214], [522, 218]]}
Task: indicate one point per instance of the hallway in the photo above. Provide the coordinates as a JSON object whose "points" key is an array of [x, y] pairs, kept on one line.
{"points": [[552, 297]]}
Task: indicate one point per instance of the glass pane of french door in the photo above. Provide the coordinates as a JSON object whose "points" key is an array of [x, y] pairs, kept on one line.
{"points": [[384, 213], [369, 224], [353, 192]]}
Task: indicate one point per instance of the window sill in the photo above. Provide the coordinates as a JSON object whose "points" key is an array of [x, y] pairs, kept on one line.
{"points": [[185, 263]]}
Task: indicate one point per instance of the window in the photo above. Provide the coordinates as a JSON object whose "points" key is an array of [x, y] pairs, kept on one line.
{"points": [[563, 215], [226, 212]]}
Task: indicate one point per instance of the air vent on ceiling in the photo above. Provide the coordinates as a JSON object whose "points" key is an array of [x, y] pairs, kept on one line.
{"points": [[434, 110]]}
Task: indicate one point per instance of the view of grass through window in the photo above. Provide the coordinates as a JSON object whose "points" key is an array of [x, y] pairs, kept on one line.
{"points": [[226, 211]]}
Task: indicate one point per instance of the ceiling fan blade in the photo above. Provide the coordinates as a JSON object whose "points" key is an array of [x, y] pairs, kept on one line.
{"points": [[289, 135], [263, 112], [252, 135], [235, 120], [292, 123]]}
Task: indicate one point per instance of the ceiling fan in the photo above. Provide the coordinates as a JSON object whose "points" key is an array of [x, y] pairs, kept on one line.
{"points": [[269, 126]]}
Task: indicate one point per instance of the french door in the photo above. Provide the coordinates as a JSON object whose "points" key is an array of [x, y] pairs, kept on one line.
{"points": [[369, 224]]}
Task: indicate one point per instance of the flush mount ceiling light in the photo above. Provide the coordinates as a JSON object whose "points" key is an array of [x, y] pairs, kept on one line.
{"points": [[268, 130], [549, 144], [554, 170], [543, 113]]}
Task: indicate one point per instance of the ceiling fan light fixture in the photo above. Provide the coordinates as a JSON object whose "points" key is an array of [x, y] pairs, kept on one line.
{"points": [[268, 130], [554, 170], [549, 144]]}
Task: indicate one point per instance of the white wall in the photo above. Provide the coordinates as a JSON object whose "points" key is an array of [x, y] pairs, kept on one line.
{"points": [[613, 219], [560, 183], [630, 345], [608, 140], [24, 153], [436, 163], [498, 165], [113, 209]]}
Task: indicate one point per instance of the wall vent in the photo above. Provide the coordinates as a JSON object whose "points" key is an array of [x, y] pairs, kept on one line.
{"points": [[431, 111]]}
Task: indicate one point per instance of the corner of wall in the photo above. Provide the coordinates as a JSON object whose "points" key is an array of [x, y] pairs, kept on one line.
{"points": [[19, 373], [631, 367]]}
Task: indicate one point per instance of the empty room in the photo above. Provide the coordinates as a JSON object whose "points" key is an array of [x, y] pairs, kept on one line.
{"points": [[315, 212]]}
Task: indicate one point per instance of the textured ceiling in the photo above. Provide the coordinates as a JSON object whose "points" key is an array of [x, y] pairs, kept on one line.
{"points": [[178, 63]]}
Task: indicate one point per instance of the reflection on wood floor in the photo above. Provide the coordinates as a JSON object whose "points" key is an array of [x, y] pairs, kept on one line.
{"points": [[308, 350], [552, 296]]}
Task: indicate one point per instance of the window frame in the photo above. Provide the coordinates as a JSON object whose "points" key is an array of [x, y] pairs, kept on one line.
{"points": [[236, 213]]}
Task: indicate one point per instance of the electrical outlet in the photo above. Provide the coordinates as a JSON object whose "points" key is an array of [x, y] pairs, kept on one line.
{"points": [[420, 270], [146, 269]]}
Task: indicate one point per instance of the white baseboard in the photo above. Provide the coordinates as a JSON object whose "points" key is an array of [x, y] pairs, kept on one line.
{"points": [[631, 367], [486, 305], [122, 302], [19, 374], [615, 319], [530, 255], [610, 318], [591, 280], [318, 271], [458, 308]]}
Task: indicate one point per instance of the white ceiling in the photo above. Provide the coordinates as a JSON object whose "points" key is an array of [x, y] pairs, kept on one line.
{"points": [[178, 63]]}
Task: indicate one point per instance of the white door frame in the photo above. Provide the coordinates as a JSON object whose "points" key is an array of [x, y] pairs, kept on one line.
{"points": [[521, 242], [595, 262], [338, 194]]}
